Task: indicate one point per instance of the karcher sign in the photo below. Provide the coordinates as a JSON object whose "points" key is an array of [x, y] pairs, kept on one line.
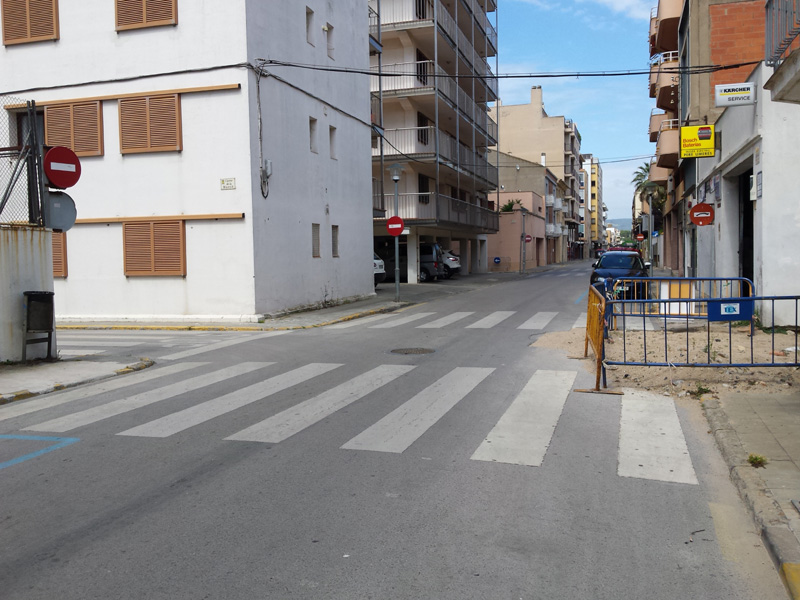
{"points": [[697, 141], [734, 94]]}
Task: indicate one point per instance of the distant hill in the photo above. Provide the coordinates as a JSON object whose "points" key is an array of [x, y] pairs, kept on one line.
{"points": [[621, 224]]}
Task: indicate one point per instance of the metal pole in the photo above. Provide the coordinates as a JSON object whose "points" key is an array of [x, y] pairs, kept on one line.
{"points": [[650, 234], [396, 246]]}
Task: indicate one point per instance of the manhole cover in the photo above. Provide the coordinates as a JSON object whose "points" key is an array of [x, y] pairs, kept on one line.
{"points": [[412, 351]]}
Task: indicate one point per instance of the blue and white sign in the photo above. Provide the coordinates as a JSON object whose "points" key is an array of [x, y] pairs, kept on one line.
{"points": [[497, 260], [655, 234], [730, 310]]}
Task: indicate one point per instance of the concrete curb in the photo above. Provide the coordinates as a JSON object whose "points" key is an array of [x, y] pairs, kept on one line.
{"points": [[767, 514], [24, 394]]}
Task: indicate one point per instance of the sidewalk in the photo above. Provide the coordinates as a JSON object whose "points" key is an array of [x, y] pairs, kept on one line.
{"points": [[767, 425]]}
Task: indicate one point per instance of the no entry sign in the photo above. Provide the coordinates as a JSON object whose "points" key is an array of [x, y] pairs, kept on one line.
{"points": [[62, 167], [702, 214], [395, 226]]}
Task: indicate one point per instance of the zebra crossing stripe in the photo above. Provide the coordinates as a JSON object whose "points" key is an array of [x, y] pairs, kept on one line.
{"points": [[200, 413], [538, 321], [50, 400], [293, 420], [444, 321], [82, 343], [492, 320], [406, 424], [651, 441], [581, 322], [403, 320], [211, 347], [118, 407], [523, 433], [364, 321]]}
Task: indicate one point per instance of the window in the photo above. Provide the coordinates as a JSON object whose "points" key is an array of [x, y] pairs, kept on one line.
{"points": [[150, 124], [315, 240], [59, 254], [27, 21], [329, 39], [77, 126], [309, 26], [154, 248], [312, 134], [136, 14], [423, 64], [422, 128], [332, 138], [334, 240], [423, 184]]}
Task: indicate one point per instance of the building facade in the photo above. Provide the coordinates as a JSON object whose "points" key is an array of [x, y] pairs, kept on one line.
{"points": [[433, 81], [213, 185]]}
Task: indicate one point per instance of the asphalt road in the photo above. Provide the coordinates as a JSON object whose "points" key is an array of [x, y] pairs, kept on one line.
{"points": [[321, 464]]}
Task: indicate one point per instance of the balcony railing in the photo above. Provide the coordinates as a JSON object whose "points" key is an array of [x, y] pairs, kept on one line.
{"points": [[442, 209], [558, 205], [375, 21], [375, 108], [783, 27], [377, 195], [550, 230]]}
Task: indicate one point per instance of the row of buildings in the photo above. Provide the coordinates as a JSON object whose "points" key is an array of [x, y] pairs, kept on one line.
{"points": [[752, 102], [225, 149]]}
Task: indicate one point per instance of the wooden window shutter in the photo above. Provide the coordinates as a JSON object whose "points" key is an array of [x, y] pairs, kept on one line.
{"points": [[59, 254], [150, 124], [154, 248], [136, 14], [77, 126], [27, 21]]}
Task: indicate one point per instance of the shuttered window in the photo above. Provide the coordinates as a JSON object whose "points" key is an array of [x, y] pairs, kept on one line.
{"points": [[150, 124], [154, 248], [77, 126], [59, 254], [315, 240], [27, 21], [136, 14]]}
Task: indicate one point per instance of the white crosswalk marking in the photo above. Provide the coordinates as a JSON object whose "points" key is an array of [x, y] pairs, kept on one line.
{"points": [[97, 344], [78, 351], [651, 441], [108, 385], [118, 407], [363, 321], [184, 419], [538, 321], [444, 321], [403, 320], [293, 420], [406, 424], [492, 320], [581, 322], [523, 433], [219, 345]]}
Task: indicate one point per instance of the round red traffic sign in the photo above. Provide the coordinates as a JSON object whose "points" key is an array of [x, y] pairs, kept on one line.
{"points": [[528, 238], [62, 167], [395, 226], [702, 214], [640, 236]]}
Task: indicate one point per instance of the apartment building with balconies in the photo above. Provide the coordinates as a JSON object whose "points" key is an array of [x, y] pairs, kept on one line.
{"points": [[434, 77], [213, 185], [683, 36], [529, 133], [596, 210]]}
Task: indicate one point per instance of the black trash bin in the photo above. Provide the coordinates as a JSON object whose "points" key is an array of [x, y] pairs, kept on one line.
{"points": [[39, 315]]}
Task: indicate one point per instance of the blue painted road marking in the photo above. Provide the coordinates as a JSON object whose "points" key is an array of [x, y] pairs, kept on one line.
{"points": [[59, 443], [582, 296]]}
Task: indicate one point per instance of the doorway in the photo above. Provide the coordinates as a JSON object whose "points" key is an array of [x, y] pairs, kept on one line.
{"points": [[746, 225]]}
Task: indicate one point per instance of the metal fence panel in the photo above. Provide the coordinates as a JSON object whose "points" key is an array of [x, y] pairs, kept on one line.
{"points": [[19, 148]]}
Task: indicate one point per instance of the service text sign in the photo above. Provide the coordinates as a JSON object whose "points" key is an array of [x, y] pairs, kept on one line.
{"points": [[734, 93], [697, 141]]}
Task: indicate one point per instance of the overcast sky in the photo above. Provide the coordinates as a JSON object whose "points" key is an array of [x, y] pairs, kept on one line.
{"points": [[580, 36]]}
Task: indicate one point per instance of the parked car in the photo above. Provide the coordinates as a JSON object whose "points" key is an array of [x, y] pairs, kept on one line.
{"points": [[431, 265], [378, 268], [614, 264], [452, 264]]}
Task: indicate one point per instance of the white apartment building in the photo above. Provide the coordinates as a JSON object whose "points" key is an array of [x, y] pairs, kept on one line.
{"points": [[437, 82], [214, 185]]}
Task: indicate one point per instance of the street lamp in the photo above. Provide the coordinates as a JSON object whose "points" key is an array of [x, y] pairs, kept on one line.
{"points": [[395, 170]]}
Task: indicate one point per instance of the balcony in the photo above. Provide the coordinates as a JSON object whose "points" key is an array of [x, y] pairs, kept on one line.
{"points": [[549, 200], [668, 82], [375, 109], [653, 30], [658, 175], [558, 205], [654, 64], [783, 27], [432, 208], [378, 206], [656, 119], [668, 145], [375, 46], [669, 14], [550, 230]]}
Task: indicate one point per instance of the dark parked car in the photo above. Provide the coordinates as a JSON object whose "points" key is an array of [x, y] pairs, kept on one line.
{"points": [[613, 264]]}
